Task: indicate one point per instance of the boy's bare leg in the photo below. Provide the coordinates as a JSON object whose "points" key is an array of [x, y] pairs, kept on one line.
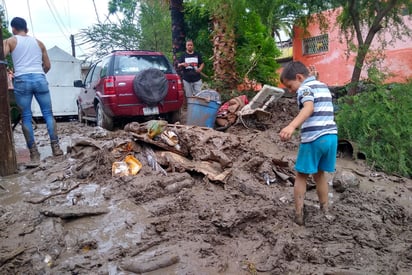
{"points": [[322, 189], [299, 195]]}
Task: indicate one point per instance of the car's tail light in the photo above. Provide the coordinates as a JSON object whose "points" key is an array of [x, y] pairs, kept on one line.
{"points": [[179, 84], [108, 87]]}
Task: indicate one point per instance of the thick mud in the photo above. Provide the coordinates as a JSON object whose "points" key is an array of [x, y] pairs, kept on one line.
{"points": [[222, 203]]}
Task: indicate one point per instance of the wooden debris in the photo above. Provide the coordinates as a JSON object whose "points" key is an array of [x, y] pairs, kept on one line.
{"points": [[145, 264], [42, 199], [5, 258], [75, 211], [211, 169]]}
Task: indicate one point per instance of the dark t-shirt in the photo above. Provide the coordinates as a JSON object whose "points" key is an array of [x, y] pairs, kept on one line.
{"points": [[194, 60]]}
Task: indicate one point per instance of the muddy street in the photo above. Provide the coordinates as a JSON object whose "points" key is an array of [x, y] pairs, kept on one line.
{"points": [[220, 203]]}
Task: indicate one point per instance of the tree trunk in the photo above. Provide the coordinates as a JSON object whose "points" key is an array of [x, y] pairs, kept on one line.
{"points": [[8, 163], [224, 50], [360, 58], [178, 34], [365, 45]]}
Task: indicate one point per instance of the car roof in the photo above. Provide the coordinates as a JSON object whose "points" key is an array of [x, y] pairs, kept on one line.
{"points": [[135, 52]]}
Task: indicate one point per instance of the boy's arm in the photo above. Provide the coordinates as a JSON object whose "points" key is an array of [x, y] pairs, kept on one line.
{"points": [[305, 112]]}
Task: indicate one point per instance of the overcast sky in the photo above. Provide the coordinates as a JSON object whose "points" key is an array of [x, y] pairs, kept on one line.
{"points": [[53, 21]]}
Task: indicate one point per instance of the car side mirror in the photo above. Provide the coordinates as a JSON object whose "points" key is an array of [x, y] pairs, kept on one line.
{"points": [[78, 84]]}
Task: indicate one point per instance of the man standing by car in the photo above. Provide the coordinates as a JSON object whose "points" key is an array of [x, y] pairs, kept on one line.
{"points": [[31, 63], [192, 64]]}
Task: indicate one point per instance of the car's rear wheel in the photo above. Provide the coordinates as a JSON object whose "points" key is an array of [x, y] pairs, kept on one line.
{"points": [[102, 119], [80, 113]]}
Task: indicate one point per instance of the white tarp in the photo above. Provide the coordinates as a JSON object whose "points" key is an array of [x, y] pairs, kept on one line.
{"points": [[64, 70]]}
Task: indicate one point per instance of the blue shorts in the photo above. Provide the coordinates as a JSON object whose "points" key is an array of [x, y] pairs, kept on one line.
{"points": [[318, 155]]}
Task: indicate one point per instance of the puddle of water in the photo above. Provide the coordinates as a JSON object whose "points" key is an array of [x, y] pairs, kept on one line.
{"points": [[42, 140], [10, 191], [89, 193]]}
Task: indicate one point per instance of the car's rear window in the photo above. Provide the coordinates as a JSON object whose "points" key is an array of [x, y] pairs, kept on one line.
{"points": [[132, 64]]}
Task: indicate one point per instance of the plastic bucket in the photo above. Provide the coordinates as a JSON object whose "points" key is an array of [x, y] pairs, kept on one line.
{"points": [[201, 111]]}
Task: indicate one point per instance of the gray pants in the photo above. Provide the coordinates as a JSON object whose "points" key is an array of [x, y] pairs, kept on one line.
{"points": [[192, 88]]}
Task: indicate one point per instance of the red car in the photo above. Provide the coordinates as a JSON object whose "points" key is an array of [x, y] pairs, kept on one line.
{"points": [[130, 84]]}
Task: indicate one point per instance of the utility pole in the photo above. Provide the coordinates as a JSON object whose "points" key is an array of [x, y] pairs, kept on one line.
{"points": [[73, 46], [8, 161]]}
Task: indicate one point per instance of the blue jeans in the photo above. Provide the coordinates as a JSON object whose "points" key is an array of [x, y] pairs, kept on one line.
{"points": [[25, 87]]}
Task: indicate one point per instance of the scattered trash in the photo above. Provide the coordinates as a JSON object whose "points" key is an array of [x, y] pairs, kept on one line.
{"points": [[256, 109], [133, 164], [99, 132], [227, 114], [120, 168], [170, 138], [284, 199], [129, 167], [151, 159], [155, 127], [268, 180], [48, 260]]}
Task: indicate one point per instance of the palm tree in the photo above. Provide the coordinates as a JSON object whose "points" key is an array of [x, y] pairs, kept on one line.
{"points": [[178, 33]]}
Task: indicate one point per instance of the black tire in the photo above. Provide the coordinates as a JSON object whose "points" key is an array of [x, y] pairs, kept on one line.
{"points": [[150, 86], [174, 117], [80, 113], [102, 119]]}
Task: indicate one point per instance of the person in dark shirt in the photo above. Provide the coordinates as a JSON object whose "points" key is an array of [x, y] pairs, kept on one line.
{"points": [[192, 65]]}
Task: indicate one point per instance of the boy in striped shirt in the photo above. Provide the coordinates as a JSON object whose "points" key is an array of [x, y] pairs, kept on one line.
{"points": [[317, 151]]}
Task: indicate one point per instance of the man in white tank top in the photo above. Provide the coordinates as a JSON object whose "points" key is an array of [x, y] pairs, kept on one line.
{"points": [[31, 63]]}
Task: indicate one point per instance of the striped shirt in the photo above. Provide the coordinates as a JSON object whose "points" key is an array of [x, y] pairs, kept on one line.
{"points": [[321, 122]]}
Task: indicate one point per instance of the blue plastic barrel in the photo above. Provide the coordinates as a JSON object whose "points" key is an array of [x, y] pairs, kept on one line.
{"points": [[201, 111]]}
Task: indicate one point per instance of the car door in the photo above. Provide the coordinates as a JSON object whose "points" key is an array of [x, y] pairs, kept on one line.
{"points": [[89, 92]]}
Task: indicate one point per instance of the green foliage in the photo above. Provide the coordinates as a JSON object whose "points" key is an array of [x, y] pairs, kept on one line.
{"points": [[5, 33], [380, 123], [198, 28], [277, 15], [255, 47], [256, 50], [155, 24], [143, 24]]}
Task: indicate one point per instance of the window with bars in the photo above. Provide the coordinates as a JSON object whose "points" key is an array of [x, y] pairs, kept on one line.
{"points": [[316, 44]]}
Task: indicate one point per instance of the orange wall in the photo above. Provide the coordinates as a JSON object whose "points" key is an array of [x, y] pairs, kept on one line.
{"points": [[336, 67]]}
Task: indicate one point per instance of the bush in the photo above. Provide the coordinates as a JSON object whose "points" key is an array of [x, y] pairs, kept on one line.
{"points": [[380, 123]]}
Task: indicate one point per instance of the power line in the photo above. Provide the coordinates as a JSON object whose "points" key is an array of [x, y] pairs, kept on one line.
{"points": [[59, 25], [31, 21]]}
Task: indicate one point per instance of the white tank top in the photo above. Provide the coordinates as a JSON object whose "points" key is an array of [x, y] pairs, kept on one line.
{"points": [[27, 56]]}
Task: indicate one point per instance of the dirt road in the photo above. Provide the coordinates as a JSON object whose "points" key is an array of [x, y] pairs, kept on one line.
{"points": [[215, 214]]}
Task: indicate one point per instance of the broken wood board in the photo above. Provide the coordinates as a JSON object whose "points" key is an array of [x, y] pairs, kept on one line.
{"points": [[211, 169], [159, 143], [74, 211]]}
